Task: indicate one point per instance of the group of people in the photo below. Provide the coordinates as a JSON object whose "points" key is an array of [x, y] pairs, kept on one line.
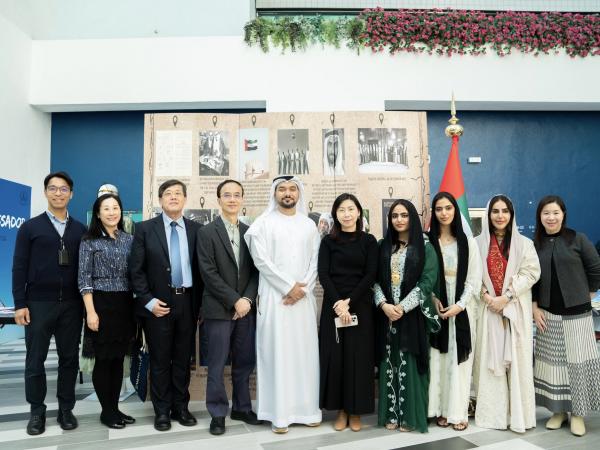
{"points": [[292, 161], [438, 317]]}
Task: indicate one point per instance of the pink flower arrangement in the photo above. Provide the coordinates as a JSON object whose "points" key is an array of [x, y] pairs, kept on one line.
{"points": [[448, 32]]}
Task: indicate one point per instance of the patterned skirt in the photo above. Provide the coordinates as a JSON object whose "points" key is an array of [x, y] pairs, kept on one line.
{"points": [[567, 365]]}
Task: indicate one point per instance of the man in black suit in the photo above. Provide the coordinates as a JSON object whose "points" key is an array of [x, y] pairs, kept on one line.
{"points": [[227, 308], [164, 276]]}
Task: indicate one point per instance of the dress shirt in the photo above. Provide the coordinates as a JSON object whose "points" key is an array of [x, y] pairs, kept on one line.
{"points": [[59, 225], [233, 232], [186, 265]]}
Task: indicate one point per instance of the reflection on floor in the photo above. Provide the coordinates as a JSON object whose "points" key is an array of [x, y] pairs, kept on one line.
{"points": [[91, 434]]}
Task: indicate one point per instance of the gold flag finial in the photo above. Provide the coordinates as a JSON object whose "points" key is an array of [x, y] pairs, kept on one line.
{"points": [[454, 129]]}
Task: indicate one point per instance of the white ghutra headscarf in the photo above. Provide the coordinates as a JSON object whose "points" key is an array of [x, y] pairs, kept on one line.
{"points": [[272, 206]]}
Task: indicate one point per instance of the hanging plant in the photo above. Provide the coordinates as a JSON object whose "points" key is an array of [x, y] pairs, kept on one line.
{"points": [[435, 31]]}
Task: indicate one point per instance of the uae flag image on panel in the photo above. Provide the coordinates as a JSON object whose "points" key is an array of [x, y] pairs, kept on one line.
{"points": [[250, 145]]}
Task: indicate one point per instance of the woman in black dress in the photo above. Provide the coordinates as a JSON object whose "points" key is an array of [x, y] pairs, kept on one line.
{"points": [[108, 300], [347, 270]]}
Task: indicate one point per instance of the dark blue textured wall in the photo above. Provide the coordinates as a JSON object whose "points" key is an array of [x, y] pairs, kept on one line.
{"points": [[525, 155], [98, 148]]}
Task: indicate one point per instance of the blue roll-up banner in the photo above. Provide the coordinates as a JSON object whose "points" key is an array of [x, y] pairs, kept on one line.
{"points": [[15, 209]]}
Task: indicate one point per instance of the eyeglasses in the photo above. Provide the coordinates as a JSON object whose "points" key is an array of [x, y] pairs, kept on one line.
{"points": [[229, 195], [62, 189]]}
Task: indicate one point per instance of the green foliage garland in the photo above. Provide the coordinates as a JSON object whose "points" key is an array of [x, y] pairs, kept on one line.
{"points": [[443, 32]]}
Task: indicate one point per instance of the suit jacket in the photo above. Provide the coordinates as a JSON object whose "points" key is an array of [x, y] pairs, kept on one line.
{"points": [[150, 267], [224, 283]]}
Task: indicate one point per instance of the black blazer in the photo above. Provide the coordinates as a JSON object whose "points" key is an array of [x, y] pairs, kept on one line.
{"points": [[577, 268], [150, 268], [223, 285]]}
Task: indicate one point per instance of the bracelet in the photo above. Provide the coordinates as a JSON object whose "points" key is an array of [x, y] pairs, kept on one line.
{"points": [[248, 300]]}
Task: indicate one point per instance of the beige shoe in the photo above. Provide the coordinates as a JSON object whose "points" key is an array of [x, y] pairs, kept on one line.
{"points": [[577, 425], [279, 430], [355, 424], [314, 424], [341, 422], [556, 421]]}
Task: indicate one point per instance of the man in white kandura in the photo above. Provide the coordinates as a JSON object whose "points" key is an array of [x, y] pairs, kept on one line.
{"points": [[284, 244]]}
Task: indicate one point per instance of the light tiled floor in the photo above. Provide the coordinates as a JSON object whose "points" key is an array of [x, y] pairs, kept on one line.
{"points": [[91, 434]]}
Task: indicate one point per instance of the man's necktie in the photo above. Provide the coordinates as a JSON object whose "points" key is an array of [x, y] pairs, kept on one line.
{"points": [[175, 256]]}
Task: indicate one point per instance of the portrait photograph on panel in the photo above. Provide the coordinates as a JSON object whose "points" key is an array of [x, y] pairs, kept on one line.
{"points": [[253, 152], [292, 152], [382, 150], [333, 152], [213, 153]]}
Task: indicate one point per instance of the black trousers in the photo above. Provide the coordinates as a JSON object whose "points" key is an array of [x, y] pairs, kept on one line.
{"points": [[63, 320], [225, 337], [170, 346]]}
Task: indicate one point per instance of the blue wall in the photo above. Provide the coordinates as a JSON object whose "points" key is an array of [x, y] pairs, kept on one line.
{"points": [[525, 155], [99, 148]]}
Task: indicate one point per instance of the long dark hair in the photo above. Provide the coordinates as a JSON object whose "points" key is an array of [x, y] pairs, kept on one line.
{"points": [[336, 229], [505, 249], [409, 332], [96, 229], [463, 330], [415, 252], [540, 231]]}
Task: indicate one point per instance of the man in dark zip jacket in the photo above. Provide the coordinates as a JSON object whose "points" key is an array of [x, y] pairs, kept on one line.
{"points": [[47, 301]]}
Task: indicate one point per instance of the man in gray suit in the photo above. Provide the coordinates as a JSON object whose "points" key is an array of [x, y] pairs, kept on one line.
{"points": [[231, 285]]}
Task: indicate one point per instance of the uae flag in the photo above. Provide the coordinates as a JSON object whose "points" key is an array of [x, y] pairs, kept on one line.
{"points": [[250, 145], [452, 182]]}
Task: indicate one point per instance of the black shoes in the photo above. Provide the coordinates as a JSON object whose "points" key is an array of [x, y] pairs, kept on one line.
{"points": [[66, 419], [249, 417], [127, 420], [114, 422], [162, 422], [184, 417], [217, 426], [36, 425]]}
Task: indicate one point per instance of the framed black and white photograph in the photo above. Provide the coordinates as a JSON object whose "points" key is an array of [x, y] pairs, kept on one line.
{"points": [[202, 216], [386, 204], [477, 216], [333, 152], [213, 153], [382, 150], [292, 152], [366, 226]]}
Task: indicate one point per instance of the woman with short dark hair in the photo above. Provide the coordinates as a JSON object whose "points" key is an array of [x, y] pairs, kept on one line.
{"points": [[567, 364], [347, 268], [104, 285]]}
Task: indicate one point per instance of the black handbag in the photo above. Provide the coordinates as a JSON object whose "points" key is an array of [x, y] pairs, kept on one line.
{"points": [[140, 360]]}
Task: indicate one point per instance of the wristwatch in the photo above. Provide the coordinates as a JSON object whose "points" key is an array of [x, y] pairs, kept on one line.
{"points": [[509, 295]]}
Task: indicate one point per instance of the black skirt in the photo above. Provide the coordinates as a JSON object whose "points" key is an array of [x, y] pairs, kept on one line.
{"points": [[116, 331]]}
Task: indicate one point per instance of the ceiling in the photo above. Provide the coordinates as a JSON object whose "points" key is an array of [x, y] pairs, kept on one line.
{"points": [[110, 19]]}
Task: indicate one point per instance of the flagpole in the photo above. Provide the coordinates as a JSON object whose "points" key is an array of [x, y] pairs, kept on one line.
{"points": [[454, 129], [452, 180]]}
